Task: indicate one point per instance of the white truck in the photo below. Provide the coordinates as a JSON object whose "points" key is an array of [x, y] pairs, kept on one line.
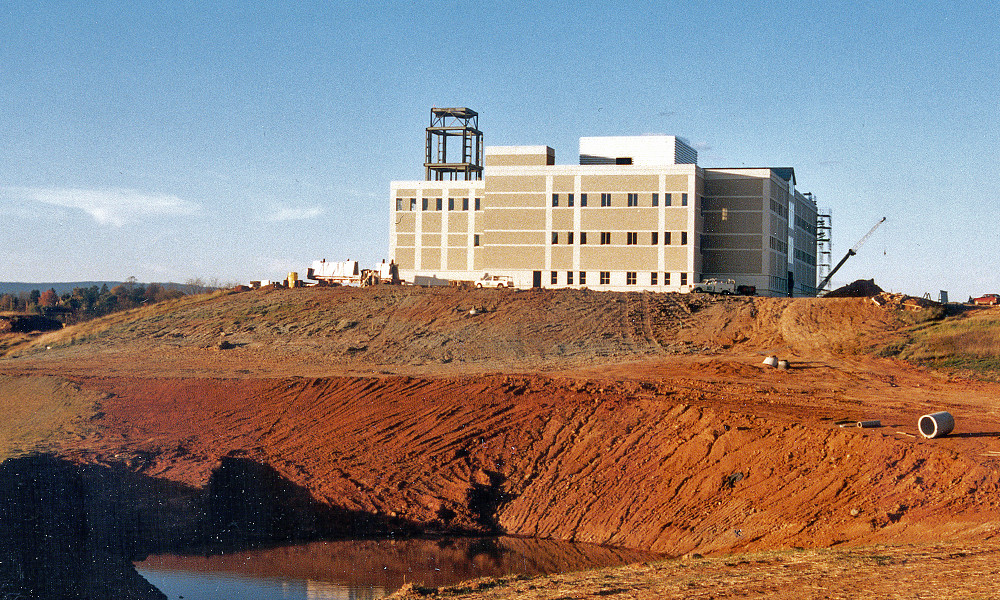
{"points": [[497, 281], [726, 287]]}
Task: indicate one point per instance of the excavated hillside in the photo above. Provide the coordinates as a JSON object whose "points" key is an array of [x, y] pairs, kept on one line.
{"points": [[638, 420]]}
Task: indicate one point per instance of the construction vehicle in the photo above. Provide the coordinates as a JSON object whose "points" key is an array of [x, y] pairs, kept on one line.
{"points": [[849, 254], [725, 287], [347, 272]]}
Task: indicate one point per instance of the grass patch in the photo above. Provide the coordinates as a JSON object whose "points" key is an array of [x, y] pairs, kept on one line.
{"points": [[968, 343]]}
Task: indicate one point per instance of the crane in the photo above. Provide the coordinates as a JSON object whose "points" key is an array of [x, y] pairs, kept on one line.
{"points": [[850, 253]]}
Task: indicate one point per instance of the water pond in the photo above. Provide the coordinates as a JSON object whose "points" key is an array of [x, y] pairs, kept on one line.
{"points": [[369, 568]]}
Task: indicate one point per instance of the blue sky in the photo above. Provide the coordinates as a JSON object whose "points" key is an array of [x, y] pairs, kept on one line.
{"points": [[172, 140]]}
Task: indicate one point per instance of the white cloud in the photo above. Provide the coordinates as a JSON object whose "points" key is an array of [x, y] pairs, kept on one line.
{"points": [[285, 213], [110, 207]]}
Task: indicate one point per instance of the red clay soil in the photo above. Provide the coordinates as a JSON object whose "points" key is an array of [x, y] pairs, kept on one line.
{"points": [[636, 420]]}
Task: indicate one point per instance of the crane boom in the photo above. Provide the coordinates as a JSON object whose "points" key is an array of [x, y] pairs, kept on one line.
{"points": [[850, 253]]}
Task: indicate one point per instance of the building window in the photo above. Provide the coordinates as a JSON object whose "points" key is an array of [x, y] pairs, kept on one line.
{"points": [[666, 238], [475, 240], [605, 199], [583, 199], [605, 277], [437, 204], [399, 204], [569, 199], [653, 277], [666, 278], [555, 199], [605, 238], [654, 238], [555, 277], [667, 199], [632, 238], [465, 204], [684, 199], [684, 238], [583, 278], [630, 278], [451, 204], [656, 200], [583, 237], [413, 204], [633, 199], [569, 238], [684, 278], [423, 203], [479, 204], [555, 237], [569, 277]]}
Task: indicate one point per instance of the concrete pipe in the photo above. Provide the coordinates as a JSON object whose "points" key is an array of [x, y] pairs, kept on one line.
{"points": [[936, 425], [783, 365], [771, 361], [870, 424]]}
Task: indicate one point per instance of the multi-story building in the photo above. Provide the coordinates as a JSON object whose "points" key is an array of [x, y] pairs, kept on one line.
{"points": [[637, 213]]}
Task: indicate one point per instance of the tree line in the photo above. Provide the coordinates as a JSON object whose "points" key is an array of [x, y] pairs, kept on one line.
{"points": [[85, 303]]}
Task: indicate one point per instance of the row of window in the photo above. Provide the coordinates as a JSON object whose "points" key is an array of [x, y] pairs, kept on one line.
{"points": [[631, 238], [438, 204], [779, 208], [779, 245], [630, 200], [604, 278]]}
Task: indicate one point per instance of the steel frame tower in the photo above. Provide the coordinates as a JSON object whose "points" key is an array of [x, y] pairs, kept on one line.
{"points": [[458, 122], [824, 244]]}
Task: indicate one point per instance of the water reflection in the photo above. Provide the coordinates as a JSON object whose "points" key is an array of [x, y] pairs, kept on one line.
{"points": [[370, 568]]}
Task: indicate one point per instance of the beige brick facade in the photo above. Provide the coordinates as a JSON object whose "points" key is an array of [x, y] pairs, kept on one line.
{"points": [[606, 226]]}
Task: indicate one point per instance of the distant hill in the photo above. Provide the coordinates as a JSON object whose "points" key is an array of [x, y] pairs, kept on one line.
{"points": [[61, 287]]}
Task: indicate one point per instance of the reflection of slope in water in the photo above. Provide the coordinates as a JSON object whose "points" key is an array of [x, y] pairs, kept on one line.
{"points": [[373, 568]]}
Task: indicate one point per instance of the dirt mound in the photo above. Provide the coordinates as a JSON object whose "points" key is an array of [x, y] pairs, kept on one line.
{"points": [[861, 288], [413, 330]]}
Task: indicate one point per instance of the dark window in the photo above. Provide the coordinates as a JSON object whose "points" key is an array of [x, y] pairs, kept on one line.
{"points": [[684, 278], [413, 204], [605, 199], [605, 237], [666, 278], [684, 238], [633, 199], [399, 204], [569, 199], [684, 199], [423, 203], [632, 238], [555, 237], [569, 237], [655, 238], [451, 204], [555, 199], [583, 199], [583, 237], [555, 277], [605, 277], [630, 278], [569, 277], [479, 204], [583, 278], [475, 240], [666, 238], [437, 204], [667, 199], [653, 277], [623, 160], [465, 204], [656, 199]]}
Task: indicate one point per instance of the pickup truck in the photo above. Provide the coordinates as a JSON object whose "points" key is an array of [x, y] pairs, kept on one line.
{"points": [[497, 281]]}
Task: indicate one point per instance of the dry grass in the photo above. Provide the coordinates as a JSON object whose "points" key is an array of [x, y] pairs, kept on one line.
{"points": [[967, 343]]}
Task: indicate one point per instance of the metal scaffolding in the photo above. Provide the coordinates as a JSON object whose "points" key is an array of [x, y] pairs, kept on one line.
{"points": [[458, 122], [824, 245]]}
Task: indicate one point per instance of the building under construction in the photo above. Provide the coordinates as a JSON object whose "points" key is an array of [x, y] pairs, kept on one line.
{"points": [[636, 213]]}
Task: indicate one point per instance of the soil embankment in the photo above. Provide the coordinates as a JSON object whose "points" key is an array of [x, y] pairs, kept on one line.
{"points": [[638, 420]]}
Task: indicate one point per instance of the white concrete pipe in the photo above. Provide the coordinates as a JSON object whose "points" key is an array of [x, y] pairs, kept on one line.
{"points": [[782, 365], [936, 425], [771, 361]]}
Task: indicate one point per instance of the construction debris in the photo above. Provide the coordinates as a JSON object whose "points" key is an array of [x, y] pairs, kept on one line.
{"points": [[862, 288], [890, 301]]}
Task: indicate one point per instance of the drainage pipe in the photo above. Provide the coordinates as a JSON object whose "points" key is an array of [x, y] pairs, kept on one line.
{"points": [[936, 425]]}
